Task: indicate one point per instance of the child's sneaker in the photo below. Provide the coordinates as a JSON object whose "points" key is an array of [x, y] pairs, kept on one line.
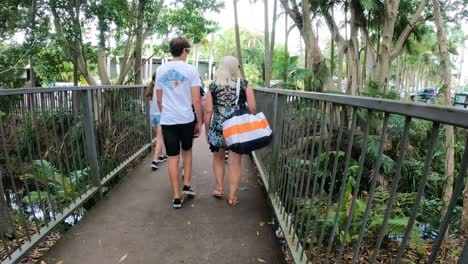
{"points": [[177, 203], [188, 190], [163, 158], [154, 165]]}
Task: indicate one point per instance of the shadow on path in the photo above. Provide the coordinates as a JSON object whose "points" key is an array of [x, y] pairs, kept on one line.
{"points": [[135, 222]]}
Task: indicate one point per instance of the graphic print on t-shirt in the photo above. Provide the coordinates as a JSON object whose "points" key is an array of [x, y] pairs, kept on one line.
{"points": [[172, 79]]}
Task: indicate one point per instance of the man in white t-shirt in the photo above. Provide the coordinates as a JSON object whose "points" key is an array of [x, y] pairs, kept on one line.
{"points": [[178, 88]]}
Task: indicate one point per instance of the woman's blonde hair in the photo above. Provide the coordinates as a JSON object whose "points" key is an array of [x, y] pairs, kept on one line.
{"points": [[228, 70]]}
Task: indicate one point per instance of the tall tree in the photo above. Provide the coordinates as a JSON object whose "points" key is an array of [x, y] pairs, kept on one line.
{"points": [[266, 35], [446, 87], [139, 39], [301, 16], [238, 42]]}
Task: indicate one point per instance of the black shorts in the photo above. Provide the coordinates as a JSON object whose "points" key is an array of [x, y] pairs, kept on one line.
{"points": [[177, 136]]}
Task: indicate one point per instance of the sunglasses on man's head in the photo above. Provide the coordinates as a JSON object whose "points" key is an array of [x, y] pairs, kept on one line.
{"points": [[187, 50]]}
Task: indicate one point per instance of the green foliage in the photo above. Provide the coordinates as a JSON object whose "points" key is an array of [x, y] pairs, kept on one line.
{"points": [[12, 63], [191, 10], [62, 189], [287, 69]]}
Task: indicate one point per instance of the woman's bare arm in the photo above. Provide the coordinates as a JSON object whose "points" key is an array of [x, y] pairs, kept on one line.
{"points": [[251, 104]]}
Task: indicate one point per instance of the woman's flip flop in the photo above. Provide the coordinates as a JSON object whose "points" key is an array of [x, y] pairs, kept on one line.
{"points": [[232, 201], [218, 194]]}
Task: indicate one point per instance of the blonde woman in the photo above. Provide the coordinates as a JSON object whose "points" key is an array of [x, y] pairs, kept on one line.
{"points": [[220, 104]]}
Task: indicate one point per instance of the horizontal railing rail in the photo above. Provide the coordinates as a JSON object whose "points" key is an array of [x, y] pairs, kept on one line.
{"points": [[59, 147], [363, 180]]}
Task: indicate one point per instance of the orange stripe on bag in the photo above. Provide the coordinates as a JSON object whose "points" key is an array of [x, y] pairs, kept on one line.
{"points": [[246, 127]]}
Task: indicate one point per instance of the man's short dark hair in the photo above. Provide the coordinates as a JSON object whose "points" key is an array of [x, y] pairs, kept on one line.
{"points": [[178, 44]]}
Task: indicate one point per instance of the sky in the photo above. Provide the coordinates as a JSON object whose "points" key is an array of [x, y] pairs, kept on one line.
{"points": [[251, 16]]}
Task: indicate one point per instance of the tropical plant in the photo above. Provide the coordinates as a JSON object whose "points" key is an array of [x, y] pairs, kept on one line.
{"points": [[55, 188]]}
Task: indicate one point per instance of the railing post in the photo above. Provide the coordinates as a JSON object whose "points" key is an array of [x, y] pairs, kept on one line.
{"points": [[148, 119], [278, 117], [90, 137]]}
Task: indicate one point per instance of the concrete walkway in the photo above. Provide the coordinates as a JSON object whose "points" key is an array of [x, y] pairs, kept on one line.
{"points": [[135, 222]]}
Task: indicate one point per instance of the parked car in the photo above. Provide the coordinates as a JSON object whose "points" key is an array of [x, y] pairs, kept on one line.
{"points": [[460, 100], [424, 95]]}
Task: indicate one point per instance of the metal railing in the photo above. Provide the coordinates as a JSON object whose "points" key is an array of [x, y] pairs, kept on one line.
{"points": [[361, 180], [58, 148]]}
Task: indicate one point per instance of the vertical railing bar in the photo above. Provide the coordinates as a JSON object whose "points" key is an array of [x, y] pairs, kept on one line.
{"points": [[90, 138], [285, 159], [362, 159], [3, 237], [73, 153], [282, 157], [301, 153], [76, 122], [57, 146], [388, 210], [377, 167], [89, 179], [100, 131], [297, 212], [39, 153], [299, 172], [343, 180], [333, 176], [41, 202], [9, 166], [273, 148], [44, 124], [316, 166], [9, 217], [457, 192], [62, 136], [325, 169], [292, 157], [420, 193], [306, 218]]}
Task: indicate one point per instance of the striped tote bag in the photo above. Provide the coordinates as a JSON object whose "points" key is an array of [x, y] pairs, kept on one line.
{"points": [[245, 132]]}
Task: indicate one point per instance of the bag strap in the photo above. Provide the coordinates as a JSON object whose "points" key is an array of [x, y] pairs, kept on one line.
{"points": [[237, 90]]}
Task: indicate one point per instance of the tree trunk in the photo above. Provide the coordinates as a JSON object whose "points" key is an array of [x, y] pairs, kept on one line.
{"points": [[286, 34], [449, 133], [272, 42], [238, 44], [286, 51], [101, 57], [139, 41], [32, 75], [210, 60], [462, 57], [340, 69], [266, 58]]}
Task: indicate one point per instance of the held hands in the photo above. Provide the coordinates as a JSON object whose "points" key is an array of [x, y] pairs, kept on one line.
{"points": [[197, 131]]}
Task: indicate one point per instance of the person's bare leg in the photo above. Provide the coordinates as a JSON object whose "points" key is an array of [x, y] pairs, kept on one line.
{"points": [[174, 175], [234, 173], [159, 143], [187, 159], [218, 170], [155, 131]]}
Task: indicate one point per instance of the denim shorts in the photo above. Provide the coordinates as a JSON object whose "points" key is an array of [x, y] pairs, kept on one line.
{"points": [[155, 120]]}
